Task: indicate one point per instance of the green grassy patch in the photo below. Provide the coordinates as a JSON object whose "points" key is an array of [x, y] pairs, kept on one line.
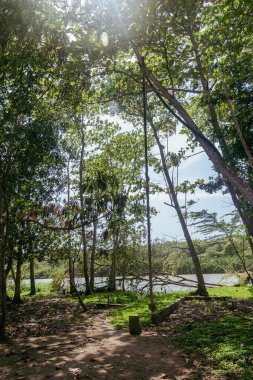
{"points": [[119, 297], [42, 290], [119, 317], [242, 292], [224, 347], [138, 304]]}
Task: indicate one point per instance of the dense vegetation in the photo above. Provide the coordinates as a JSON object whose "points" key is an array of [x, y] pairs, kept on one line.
{"points": [[77, 80], [216, 256]]}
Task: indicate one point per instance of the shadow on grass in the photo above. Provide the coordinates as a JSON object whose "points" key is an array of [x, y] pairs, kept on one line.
{"points": [[223, 346]]}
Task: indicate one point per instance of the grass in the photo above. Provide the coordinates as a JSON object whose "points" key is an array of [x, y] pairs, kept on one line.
{"points": [[224, 347], [42, 290], [242, 292], [118, 297], [138, 304], [119, 317], [135, 304]]}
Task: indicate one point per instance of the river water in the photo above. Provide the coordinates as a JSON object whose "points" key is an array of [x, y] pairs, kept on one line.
{"points": [[141, 285]]}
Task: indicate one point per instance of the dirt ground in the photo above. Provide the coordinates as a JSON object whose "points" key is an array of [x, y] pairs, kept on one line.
{"points": [[52, 339]]}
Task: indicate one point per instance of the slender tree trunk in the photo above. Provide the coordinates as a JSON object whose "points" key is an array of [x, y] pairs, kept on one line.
{"points": [[8, 266], [17, 294], [13, 275], [112, 280], [2, 266], [70, 263], [247, 221], [152, 305], [32, 277], [2, 284], [84, 239], [93, 254], [85, 262], [212, 152], [124, 273], [71, 275], [201, 283], [250, 241]]}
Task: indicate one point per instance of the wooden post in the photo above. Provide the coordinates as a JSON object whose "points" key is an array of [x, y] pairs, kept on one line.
{"points": [[134, 325]]}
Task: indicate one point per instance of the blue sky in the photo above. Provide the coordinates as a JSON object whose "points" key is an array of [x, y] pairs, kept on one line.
{"points": [[165, 224]]}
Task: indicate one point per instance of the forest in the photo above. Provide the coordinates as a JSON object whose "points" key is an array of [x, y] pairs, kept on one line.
{"points": [[92, 94]]}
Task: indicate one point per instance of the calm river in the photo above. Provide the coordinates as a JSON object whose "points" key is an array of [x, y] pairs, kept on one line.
{"points": [[142, 285]]}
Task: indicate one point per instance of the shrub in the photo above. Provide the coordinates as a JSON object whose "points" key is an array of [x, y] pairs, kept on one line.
{"points": [[58, 281]]}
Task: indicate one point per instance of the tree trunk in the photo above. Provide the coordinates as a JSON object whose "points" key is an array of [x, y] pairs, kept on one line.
{"points": [[247, 221], [32, 277], [8, 266], [93, 255], [17, 294], [71, 275], [201, 283], [71, 270], [112, 281], [2, 267], [85, 262], [250, 241], [13, 275], [85, 251], [2, 284], [212, 152], [83, 306], [238, 129]]}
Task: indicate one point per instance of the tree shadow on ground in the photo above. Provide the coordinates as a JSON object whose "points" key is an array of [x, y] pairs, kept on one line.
{"points": [[93, 352]]}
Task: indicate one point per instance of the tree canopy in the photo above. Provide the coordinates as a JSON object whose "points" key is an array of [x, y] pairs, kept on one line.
{"points": [[71, 114]]}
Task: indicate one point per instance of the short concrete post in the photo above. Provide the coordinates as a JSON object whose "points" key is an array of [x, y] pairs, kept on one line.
{"points": [[134, 324]]}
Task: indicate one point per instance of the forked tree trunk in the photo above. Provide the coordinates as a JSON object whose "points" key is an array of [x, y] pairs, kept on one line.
{"points": [[201, 283], [32, 277]]}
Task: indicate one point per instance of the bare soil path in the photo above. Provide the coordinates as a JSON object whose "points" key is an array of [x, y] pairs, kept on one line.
{"points": [[52, 339]]}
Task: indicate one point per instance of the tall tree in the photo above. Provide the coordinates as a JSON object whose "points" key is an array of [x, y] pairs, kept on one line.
{"points": [[161, 37]]}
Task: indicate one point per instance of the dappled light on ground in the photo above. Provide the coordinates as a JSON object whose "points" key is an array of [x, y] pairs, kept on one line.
{"points": [[88, 349]]}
